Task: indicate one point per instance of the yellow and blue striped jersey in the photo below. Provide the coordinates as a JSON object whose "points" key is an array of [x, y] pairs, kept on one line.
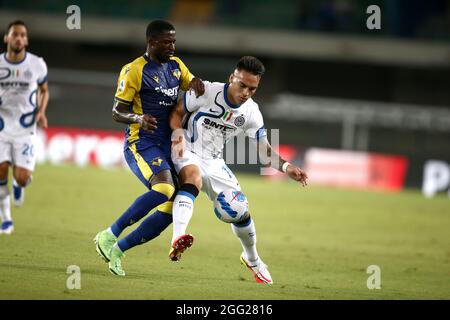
{"points": [[152, 88]]}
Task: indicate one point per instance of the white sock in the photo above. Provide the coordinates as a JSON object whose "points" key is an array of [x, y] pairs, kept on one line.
{"points": [[183, 207], [5, 208], [247, 236]]}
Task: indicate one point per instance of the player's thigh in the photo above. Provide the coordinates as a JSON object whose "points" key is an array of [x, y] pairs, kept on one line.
{"points": [[188, 169], [218, 177], [5, 158], [23, 159], [4, 166]]}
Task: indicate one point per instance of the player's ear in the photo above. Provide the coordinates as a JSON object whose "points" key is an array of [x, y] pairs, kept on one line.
{"points": [[231, 78], [5, 39], [151, 42]]}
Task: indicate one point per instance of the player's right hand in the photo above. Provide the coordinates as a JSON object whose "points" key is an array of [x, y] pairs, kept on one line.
{"points": [[148, 122], [178, 144]]}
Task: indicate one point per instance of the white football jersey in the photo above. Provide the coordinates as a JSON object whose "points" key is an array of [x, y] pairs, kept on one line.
{"points": [[18, 94], [212, 120]]}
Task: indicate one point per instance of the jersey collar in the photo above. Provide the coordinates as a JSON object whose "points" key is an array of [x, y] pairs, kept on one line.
{"points": [[13, 62], [234, 106]]}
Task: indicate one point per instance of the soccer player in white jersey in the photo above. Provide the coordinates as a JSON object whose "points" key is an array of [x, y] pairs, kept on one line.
{"points": [[23, 101], [210, 121]]}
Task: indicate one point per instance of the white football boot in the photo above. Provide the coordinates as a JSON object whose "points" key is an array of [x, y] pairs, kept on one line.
{"points": [[259, 270]]}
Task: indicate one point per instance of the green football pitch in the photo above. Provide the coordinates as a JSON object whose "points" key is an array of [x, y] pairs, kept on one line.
{"points": [[318, 243]]}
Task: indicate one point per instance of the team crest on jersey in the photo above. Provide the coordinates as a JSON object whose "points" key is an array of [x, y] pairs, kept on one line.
{"points": [[239, 121], [156, 79], [157, 162], [177, 73], [28, 74]]}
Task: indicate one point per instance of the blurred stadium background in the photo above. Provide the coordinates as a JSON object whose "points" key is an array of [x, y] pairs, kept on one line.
{"points": [[358, 108], [330, 83]]}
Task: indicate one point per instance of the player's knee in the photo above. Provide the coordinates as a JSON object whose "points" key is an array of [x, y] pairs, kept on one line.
{"points": [[23, 179], [192, 177], [164, 188], [166, 207], [195, 180]]}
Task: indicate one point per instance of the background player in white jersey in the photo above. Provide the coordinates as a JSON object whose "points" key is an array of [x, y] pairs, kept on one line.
{"points": [[211, 120], [23, 101]]}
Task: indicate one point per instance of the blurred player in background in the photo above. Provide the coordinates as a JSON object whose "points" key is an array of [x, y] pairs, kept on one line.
{"points": [[23, 100], [146, 94], [212, 120]]}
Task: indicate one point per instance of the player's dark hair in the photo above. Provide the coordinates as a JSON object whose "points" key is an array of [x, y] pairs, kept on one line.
{"points": [[252, 65], [157, 27], [16, 23]]}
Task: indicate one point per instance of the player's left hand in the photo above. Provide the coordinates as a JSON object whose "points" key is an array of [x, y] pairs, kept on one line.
{"points": [[297, 174], [42, 121], [198, 86]]}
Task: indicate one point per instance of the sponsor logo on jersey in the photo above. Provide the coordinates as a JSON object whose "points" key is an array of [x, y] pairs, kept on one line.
{"points": [[213, 111], [239, 121], [171, 92], [9, 84], [166, 104], [4, 73], [212, 124]]}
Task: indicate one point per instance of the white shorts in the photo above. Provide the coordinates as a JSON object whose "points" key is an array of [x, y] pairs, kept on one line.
{"points": [[216, 176], [19, 151]]}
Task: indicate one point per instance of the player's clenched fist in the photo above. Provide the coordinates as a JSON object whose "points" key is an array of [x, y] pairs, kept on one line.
{"points": [[148, 122]]}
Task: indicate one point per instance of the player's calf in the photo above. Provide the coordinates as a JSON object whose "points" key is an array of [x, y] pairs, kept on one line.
{"points": [[5, 210], [18, 194]]}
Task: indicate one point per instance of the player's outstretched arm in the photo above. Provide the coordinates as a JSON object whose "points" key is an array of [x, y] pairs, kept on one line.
{"points": [[120, 113], [272, 158], [43, 97]]}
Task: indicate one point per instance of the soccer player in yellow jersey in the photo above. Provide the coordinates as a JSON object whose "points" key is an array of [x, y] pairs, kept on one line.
{"points": [[147, 91]]}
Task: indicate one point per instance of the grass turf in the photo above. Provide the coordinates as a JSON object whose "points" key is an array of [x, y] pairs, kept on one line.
{"points": [[318, 243]]}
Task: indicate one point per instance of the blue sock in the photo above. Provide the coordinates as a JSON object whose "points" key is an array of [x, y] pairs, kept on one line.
{"points": [[141, 207], [149, 229]]}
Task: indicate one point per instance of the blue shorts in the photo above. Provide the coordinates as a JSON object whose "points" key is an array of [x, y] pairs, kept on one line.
{"points": [[148, 160]]}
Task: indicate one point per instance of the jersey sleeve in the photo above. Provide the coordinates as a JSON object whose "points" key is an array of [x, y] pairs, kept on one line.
{"points": [[42, 72], [255, 128], [192, 103], [128, 83], [186, 75]]}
